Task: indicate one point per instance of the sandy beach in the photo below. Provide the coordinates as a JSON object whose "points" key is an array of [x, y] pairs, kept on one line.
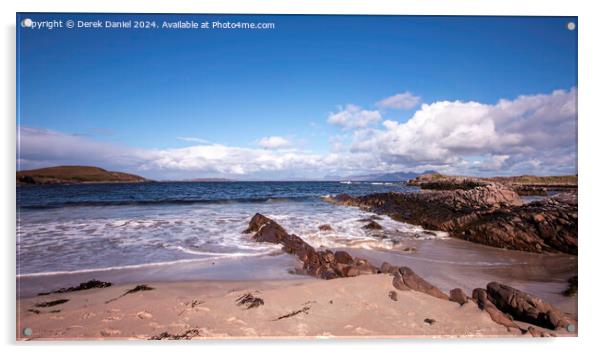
{"points": [[309, 308]]}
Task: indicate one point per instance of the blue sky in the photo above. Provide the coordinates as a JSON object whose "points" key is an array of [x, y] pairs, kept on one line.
{"points": [[157, 94]]}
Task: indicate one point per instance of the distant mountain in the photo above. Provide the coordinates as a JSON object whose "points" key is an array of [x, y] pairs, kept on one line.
{"points": [[75, 175], [388, 177], [210, 179]]}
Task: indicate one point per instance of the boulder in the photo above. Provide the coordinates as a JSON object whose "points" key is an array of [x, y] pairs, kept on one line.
{"points": [[343, 257], [458, 295], [399, 284], [271, 232], [256, 222], [415, 282], [482, 300], [527, 308], [388, 268], [406, 279], [350, 271]]}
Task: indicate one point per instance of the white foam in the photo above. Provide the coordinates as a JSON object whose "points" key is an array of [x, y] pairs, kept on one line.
{"points": [[106, 238]]}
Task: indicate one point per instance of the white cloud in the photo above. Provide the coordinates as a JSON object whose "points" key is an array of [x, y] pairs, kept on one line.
{"points": [[353, 116], [273, 142], [528, 128], [404, 100], [42, 148]]}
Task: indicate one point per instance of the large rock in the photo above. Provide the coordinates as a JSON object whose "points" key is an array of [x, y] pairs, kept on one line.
{"points": [[458, 295], [527, 308], [343, 257], [256, 222], [406, 279], [481, 298], [388, 268], [271, 232]]}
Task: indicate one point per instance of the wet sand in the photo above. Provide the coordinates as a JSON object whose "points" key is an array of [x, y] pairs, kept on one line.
{"points": [[453, 263], [446, 263]]}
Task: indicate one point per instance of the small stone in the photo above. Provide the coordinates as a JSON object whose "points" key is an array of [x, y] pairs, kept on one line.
{"points": [[325, 227], [393, 295], [372, 225]]}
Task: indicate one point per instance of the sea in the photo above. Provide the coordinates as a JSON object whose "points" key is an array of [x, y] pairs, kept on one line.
{"points": [[180, 231], [66, 228]]}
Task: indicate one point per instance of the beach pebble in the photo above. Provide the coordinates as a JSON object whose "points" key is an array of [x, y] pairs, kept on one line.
{"points": [[393, 295], [143, 315], [430, 321], [110, 332]]}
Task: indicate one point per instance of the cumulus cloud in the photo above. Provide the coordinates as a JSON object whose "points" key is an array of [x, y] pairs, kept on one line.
{"points": [[273, 142], [352, 116], [531, 128], [528, 134], [405, 100]]}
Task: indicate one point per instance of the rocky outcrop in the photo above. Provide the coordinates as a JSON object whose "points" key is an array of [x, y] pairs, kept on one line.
{"points": [[530, 190], [327, 264], [548, 225], [492, 215], [436, 181], [323, 264], [522, 185], [503, 303], [506, 304], [526, 308], [482, 299]]}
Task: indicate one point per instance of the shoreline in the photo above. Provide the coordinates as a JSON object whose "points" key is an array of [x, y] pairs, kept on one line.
{"points": [[544, 275]]}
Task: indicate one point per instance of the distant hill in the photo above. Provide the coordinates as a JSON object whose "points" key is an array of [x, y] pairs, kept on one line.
{"points": [[209, 179], [75, 175], [388, 177]]}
